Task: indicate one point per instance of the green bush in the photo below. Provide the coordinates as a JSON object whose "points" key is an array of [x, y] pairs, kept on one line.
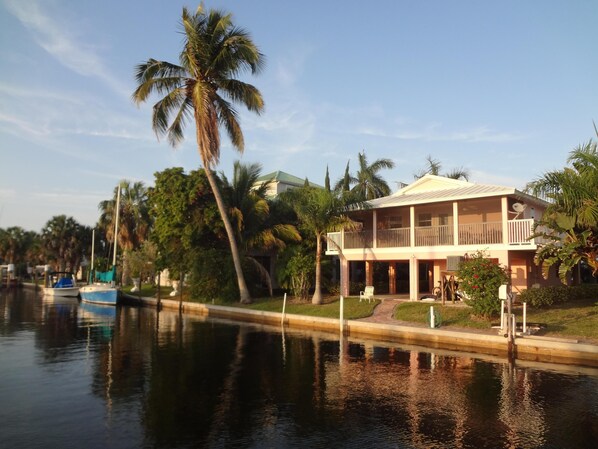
{"points": [[480, 278], [545, 297]]}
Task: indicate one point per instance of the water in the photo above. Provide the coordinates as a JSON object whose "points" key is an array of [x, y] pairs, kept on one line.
{"points": [[74, 376]]}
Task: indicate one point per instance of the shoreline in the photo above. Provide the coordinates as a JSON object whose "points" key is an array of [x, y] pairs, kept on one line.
{"points": [[528, 348]]}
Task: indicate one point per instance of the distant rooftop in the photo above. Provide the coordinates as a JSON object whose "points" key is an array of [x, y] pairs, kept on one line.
{"points": [[285, 178]]}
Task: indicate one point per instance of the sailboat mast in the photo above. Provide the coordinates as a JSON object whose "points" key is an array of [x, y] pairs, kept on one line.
{"points": [[116, 226]]}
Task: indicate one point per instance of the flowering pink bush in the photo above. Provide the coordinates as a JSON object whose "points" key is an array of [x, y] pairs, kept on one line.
{"points": [[480, 278]]}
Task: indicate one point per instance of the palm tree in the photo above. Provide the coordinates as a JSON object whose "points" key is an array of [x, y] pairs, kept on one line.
{"points": [[319, 212], [434, 167], [250, 214], [571, 219], [203, 87], [62, 240], [134, 219], [368, 183]]}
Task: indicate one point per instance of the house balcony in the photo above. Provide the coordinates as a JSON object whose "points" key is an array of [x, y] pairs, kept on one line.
{"points": [[519, 234]]}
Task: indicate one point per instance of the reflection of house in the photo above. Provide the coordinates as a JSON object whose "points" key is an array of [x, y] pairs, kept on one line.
{"points": [[280, 181], [423, 229]]}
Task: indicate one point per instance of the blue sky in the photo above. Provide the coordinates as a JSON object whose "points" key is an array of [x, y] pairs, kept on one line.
{"points": [[505, 89]]}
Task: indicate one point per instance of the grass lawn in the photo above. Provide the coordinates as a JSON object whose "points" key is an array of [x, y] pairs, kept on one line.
{"points": [[572, 319], [329, 309], [575, 319], [149, 290]]}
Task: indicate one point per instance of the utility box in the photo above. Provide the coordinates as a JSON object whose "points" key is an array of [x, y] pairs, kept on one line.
{"points": [[453, 262]]}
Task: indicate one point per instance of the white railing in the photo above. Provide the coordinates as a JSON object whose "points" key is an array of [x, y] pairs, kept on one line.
{"points": [[392, 238], [520, 231], [480, 233], [358, 240], [334, 241], [434, 235]]}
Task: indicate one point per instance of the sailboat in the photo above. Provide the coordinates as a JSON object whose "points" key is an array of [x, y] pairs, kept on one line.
{"points": [[102, 287]]}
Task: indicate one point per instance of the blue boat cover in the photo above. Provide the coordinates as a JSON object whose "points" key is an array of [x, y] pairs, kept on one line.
{"points": [[64, 283]]}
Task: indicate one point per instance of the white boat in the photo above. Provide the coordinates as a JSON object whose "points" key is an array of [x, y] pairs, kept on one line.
{"points": [[102, 287], [63, 283]]}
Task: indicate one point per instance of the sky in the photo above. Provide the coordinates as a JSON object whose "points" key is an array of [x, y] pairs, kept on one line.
{"points": [[505, 89]]}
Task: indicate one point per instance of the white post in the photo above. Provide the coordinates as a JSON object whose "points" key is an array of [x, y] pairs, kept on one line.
{"points": [[342, 314], [432, 323], [284, 306], [524, 318], [514, 325], [502, 314]]}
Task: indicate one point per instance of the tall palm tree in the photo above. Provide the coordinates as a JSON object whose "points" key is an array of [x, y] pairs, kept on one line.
{"points": [[368, 183], [434, 167], [572, 215], [203, 87], [319, 212], [255, 227], [61, 239], [134, 219]]}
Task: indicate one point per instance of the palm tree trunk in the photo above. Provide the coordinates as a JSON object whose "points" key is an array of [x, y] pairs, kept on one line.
{"points": [[317, 298], [245, 297]]}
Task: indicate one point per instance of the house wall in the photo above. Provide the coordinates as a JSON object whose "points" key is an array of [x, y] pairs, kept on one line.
{"points": [[480, 211]]}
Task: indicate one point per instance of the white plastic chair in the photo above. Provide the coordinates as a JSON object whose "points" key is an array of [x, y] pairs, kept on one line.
{"points": [[367, 293]]}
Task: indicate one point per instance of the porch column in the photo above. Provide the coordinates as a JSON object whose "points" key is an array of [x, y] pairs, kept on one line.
{"points": [[374, 231], [392, 278], [455, 223], [413, 278], [504, 207], [412, 226], [344, 263], [369, 272]]}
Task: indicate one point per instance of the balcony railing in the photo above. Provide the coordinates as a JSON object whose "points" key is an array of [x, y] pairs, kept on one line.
{"points": [[480, 233], [393, 238], [519, 232]]}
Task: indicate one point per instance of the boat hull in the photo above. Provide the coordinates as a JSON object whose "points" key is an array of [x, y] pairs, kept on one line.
{"points": [[61, 291], [99, 294]]}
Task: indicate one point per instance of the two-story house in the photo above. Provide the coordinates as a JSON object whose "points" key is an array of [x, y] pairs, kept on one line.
{"points": [[420, 233]]}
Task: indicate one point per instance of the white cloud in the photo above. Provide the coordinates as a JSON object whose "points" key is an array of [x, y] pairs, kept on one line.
{"points": [[63, 42]]}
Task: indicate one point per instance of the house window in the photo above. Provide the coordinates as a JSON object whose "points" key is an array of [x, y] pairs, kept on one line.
{"points": [[443, 219], [424, 220], [395, 222]]}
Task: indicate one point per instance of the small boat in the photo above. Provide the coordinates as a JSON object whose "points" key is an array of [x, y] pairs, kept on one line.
{"points": [[102, 285], [62, 284]]}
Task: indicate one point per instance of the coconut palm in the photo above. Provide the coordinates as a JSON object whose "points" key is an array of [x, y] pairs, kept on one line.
{"points": [[434, 167], [134, 220], [571, 219], [256, 229], [319, 212], [203, 87], [368, 183], [64, 241]]}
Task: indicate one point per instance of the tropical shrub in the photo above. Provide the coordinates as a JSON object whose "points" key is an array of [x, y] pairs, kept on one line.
{"points": [[296, 271], [545, 297], [480, 278]]}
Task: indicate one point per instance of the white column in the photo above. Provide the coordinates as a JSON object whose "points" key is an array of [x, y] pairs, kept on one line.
{"points": [[455, 223], [412, 225], [375, 230], [413, 278], [505, 219]]}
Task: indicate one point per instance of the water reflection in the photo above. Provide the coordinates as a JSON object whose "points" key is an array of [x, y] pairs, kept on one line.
{"points": [[170, 380]]}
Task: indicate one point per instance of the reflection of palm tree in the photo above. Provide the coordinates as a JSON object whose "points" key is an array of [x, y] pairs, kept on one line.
{"points": [[215, 52], [434, 167], [250, 214]]}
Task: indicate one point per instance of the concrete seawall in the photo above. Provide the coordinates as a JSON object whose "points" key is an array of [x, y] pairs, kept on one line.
{"points": [[540, 349]]}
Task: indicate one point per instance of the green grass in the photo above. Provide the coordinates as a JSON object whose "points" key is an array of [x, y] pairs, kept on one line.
{"points": [[458, 316], [149, 290], [572, 319]]}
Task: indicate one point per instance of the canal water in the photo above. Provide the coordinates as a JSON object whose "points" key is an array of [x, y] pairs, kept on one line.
{"points": [[80, 376]]}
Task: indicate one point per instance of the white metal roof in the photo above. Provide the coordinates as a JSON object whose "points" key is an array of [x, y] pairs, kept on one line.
{"points": [[435, 189]]}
